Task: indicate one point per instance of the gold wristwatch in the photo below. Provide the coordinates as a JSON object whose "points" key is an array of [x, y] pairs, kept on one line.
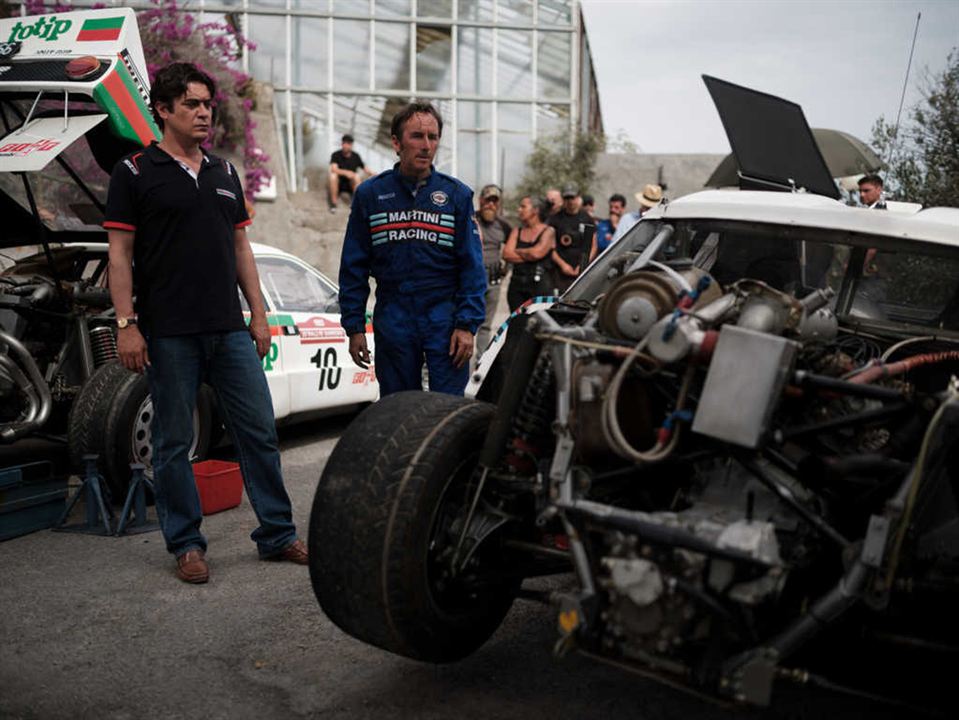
{"points": [[124, 322]]}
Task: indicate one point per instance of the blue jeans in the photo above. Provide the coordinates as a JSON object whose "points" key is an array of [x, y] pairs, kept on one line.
{"points": [[228, 362]]}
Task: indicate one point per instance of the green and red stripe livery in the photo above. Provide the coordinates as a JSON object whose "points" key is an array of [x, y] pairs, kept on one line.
{"points": [[119, 97], [100, 29]]}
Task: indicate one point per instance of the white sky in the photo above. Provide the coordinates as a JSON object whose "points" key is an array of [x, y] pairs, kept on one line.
{"points": [[844, 61]]}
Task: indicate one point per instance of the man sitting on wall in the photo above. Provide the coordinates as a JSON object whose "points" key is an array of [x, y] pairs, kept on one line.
{"points": [[345, 167]]}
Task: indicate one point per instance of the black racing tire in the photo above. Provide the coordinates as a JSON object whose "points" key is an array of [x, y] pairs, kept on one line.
{"points": [[86, 423], [380, 515], [111, 418]]}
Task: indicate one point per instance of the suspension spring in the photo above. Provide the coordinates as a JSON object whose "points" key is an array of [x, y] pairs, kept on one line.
{"points": [[536, 411], [103, 343]]}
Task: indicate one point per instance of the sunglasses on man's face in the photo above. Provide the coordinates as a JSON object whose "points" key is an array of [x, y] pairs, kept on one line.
{"points": [[491, 199]]}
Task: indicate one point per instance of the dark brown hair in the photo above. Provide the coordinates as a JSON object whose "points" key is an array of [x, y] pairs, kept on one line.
{"points": [[414, 108], [171, 82]]}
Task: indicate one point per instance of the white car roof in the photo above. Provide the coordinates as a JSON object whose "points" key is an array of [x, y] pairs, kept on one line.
{"points": [[934, 225], [261, 249]]}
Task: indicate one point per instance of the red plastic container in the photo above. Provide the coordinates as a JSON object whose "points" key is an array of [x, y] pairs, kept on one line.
{"points": [[219, 484]]}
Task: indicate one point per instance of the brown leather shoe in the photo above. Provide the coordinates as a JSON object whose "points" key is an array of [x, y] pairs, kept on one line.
{"points": [[191, 567], [295, 552]]}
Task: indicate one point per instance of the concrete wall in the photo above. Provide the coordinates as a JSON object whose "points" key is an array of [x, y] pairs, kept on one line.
{"points": [[628, 173], [299, 222]]}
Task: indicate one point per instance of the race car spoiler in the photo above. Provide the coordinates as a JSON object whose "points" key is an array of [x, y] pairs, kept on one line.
{"points": [[96, 53]]}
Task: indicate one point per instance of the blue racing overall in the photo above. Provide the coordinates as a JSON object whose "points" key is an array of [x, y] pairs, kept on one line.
{"points": [[420, 242]]}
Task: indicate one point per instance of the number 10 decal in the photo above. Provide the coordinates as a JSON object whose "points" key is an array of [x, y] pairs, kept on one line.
{"points": [[330, 374]]}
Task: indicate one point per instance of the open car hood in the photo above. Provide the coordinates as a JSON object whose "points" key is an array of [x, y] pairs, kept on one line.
{"points": [[771, 140]]}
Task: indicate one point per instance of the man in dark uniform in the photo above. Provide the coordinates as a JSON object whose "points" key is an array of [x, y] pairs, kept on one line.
{"points": [[412, 229], [177, 215], [494, 229], [345, 168], [575, 240]]}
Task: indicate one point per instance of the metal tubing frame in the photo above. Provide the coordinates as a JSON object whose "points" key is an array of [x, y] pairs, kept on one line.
{"points": [[615, 518], [15, 347]]}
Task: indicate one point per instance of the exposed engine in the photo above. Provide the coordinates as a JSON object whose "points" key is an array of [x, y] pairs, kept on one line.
{"points": [[53, 334], [732, 468]]}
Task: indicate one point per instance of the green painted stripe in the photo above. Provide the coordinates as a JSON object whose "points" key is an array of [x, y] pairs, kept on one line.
{"points": [[280, 320], [380, 242], [444, 243], [377, 215], [102, 23], [111, 105], [138, 99]]}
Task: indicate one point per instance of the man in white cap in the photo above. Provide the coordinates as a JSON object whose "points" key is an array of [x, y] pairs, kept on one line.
{"points": [[650, 197]]}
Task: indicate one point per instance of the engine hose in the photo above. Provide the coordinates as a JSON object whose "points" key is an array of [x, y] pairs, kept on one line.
{"points": [[880, 370], [890, 351], [610, 420]]}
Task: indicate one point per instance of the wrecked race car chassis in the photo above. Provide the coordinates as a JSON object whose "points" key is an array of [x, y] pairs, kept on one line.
{"points": [[737, 429]]}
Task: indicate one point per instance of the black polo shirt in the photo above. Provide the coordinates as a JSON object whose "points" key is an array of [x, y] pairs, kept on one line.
{"points": [[184, 252]]}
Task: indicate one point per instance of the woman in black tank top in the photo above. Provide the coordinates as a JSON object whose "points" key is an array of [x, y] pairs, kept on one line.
{"points": [[527, 248]]}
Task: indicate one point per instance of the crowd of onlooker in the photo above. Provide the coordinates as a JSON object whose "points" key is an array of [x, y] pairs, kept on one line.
{"points": [[554, 240]]}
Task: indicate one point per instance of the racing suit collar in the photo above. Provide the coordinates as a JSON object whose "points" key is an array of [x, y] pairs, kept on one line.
{"points": [[411, 184]]}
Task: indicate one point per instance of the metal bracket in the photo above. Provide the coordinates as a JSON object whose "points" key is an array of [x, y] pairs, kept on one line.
{"points": [[874, 546], [29, 117]]}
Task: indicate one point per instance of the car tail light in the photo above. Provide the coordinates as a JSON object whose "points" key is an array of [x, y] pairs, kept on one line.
{"points": [[82, 67]]}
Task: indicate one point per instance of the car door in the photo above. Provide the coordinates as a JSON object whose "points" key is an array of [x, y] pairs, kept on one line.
{"points": [[314, 347]]}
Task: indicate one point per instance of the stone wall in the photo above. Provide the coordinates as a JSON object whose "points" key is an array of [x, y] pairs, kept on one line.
{"points": [[628, 173], [298, 222]]}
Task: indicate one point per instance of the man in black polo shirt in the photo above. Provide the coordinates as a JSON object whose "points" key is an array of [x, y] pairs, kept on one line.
{"points": [[177, 214], [345, 167], [575, 240]]}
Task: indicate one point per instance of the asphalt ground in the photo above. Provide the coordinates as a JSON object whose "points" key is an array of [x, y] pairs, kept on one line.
{"points": [[99, 627]]}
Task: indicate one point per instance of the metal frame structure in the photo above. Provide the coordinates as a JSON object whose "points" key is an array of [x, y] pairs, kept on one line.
{"points": [[292, 112]]}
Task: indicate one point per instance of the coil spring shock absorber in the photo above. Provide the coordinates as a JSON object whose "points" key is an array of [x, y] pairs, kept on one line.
{"points": [[103, 343], [531, 423]]}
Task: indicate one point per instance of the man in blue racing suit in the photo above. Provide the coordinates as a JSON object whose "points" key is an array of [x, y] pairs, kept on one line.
{"points": [[412, 229]]}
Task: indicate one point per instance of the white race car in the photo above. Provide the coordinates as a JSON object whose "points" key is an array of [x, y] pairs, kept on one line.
{"points": [[309, 368]]}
